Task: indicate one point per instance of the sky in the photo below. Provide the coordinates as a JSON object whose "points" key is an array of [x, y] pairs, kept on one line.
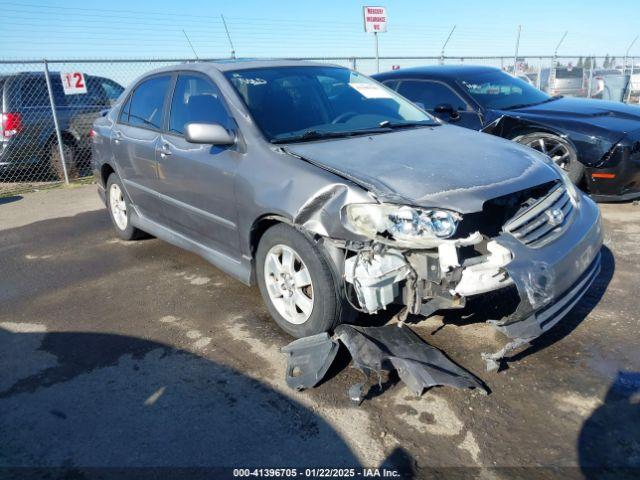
{"points": [[36, 29]]}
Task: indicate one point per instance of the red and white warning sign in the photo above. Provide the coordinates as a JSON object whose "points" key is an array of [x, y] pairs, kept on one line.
{"points": [[375, 19], [73, 83]]}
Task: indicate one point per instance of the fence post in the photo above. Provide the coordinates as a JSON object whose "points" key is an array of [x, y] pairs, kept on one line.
{"points": [[630, 84], [55, 122], [539, 79], [590, 81], [353, 63]]}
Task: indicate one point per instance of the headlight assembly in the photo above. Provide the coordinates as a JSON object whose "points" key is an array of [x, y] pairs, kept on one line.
{"points": [[403, 225]]}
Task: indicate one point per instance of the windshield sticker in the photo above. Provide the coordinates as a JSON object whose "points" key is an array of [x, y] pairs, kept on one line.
{"points": [[248, 81], [370, 90]]}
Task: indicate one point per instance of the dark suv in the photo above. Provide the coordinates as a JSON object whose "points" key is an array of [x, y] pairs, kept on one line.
{"points": [[28, 146]]}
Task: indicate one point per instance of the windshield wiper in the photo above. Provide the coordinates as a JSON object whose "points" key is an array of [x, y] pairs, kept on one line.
{"points": [[525, 105], [395, 125], [309, 135]]}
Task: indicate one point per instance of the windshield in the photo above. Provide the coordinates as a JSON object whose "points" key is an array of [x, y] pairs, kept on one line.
{"points": [[309, 102], [499, 90]]}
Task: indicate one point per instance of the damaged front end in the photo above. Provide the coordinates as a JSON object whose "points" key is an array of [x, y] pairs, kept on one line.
{"points": [[543, 241]]}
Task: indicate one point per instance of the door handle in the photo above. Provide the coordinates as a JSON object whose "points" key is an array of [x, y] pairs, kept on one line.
{"points": [[164, 150], [117, 136]]}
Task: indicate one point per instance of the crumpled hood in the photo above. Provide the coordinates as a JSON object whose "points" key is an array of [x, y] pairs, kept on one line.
{"points": [[612, 116], [444, 166]]}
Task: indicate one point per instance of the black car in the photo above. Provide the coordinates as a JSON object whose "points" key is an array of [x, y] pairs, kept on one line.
{"points": [[596, 142], [28, 145]]}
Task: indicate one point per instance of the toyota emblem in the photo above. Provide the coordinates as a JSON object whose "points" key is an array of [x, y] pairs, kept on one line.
{"points": [[555, 217]]}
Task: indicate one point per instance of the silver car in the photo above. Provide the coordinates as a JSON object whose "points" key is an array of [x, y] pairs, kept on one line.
{"points": [[337, 195]]}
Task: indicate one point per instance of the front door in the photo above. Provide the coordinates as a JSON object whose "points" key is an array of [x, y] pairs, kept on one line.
{"points": [[440, 100], [196, 182]]}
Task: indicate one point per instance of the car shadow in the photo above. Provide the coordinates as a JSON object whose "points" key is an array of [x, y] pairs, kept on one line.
{"points": [[90, 405], [609, 440]]}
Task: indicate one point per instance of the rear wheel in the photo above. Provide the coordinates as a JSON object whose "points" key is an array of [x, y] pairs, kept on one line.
{"points": [[120, 210], [557, 149], [55, 160], [297, 284]]}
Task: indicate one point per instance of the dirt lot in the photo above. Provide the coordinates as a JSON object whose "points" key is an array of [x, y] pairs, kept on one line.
{"points": [[138, 354]]}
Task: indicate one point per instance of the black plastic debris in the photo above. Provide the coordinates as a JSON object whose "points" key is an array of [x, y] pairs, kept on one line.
{"points": [[373, 349], [419, 365], [309, 360]]}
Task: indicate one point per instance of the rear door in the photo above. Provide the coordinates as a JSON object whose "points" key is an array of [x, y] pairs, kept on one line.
{"points": [[430, 94], [196, 182], [135, 137]]}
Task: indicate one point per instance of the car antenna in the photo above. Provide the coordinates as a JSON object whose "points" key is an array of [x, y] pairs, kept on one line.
{"points": [[233, 51], [191, 45]]}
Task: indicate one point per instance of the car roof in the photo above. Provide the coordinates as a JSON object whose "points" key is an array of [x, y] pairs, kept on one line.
{"points": [[443, 72], [238, 64]]}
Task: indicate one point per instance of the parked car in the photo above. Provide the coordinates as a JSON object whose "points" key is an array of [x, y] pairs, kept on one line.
{"points": [[593, 141], [336, 194], [28, 142], [568, 81], [609, 84]]}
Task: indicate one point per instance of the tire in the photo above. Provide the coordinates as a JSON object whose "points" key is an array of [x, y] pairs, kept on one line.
{"points": [[559, 150], [55, 160], [329, 308], [121, 220]]}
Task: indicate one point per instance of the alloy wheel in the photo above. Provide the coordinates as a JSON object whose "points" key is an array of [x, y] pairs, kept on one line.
{"points": [[288, 283], [118, 206], [554, 148]]}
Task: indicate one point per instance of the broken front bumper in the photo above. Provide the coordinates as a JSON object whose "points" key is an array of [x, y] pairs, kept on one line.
{"points": [[550, 279]]}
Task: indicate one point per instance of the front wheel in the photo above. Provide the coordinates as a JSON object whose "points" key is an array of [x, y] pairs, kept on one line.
{"points": [[557, 149], [297, 284]]}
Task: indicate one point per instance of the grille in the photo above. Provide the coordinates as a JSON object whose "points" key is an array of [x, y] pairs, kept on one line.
{"points": [[544, 221]]}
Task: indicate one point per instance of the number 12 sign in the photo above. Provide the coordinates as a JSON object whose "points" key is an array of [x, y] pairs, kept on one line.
{"points": [[73, 83]]}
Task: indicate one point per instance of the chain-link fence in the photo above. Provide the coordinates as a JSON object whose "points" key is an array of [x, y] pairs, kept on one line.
{"points": [[48, 107]]}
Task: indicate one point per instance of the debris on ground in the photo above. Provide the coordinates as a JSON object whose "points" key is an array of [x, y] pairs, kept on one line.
{"points": [[374, 349]]}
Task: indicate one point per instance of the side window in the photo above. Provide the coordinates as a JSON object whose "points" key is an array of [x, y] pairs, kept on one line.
{"points": [[33, 92], [147, 103], [196, 100], [124, 113], [430, 94], [392, 84], [112, 90]]}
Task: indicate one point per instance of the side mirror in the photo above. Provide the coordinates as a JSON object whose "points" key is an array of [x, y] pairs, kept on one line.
{"points": [[447, 108], [209, 133], [444, 108]]}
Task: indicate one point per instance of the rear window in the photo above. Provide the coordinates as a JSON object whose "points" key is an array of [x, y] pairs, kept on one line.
{"points": [[566, 73]]}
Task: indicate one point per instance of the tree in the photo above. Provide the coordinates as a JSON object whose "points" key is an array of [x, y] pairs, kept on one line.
{"points": [[606, 62], [587, 63], [580, 63], [594, 62], [612, 62]]}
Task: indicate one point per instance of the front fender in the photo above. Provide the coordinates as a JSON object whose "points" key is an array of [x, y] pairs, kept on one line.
{"points": [[590, 144]]}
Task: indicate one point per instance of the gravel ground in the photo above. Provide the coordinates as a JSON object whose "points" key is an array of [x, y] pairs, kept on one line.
{"points": [[138, 354]]}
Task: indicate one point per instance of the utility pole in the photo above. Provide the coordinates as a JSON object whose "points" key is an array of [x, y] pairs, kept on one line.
{"points": [[445, 44], [233, 51], [515, 57]]}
